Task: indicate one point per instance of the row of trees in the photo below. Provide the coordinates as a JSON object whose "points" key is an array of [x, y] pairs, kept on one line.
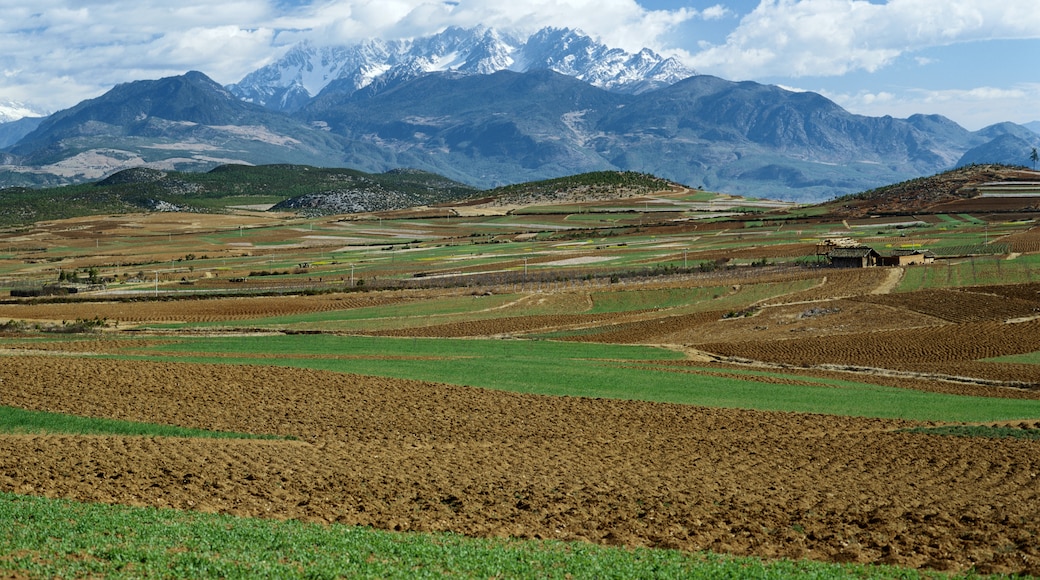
{"points": [[86, 275]]}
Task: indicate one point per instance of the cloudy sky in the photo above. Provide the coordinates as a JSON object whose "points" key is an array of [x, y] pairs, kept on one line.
{"points": [[975, 61]]}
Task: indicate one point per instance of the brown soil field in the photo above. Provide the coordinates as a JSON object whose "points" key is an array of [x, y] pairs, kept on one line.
{"points": [[960, 305], [950, 349], [1029, 291], [839, 283], [1027, 241], [907, 380], [782, 322], [406, 455], [988, 205], [504, 326], [198, 310], [755, 252]]}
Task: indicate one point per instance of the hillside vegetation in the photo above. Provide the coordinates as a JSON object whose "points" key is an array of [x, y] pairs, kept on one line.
{"points": [[291, 187], [315, 191], [924, 193], [299, 188], [592, 186]]}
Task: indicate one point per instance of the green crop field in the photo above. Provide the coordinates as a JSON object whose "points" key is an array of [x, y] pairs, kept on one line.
{"points": [[20, 421], [585, 370], [974, 271], [1032, 358], [46, 538]]}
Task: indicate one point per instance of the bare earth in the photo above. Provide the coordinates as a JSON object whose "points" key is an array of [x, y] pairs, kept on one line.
{"points": [[408, 455]]}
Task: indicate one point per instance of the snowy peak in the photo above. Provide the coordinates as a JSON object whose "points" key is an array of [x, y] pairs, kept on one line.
{"points": [[489, 53], [305, 70], [14, 110], [571, 53]]}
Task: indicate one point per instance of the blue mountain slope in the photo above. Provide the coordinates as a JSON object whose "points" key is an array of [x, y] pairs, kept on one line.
{"points": [[507, 127]]}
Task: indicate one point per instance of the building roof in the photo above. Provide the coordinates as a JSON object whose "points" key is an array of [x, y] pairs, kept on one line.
{"points": [[859, 252], [927, 253]]}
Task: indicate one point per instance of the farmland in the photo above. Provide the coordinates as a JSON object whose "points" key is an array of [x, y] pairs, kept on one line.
{"points": [[672, 370]]}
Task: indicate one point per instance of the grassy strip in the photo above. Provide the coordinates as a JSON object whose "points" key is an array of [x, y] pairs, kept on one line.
{"points": [[994, 432], [970, 272], [48, 538], [1030, 358], [587, 370], [438, 311], [20, 421]]}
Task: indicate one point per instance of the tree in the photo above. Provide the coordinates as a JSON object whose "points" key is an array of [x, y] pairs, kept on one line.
{"points": [[1034, 157]]}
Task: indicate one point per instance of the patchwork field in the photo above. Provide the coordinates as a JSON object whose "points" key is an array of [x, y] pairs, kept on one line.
{"points": [[419, 456], [669, 381]]}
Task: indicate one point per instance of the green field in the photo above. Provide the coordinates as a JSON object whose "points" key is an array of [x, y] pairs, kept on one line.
{"points": [[1032, 358], [586, 370], [21, 421], [44, 538], [63, 539], [974, 271]]}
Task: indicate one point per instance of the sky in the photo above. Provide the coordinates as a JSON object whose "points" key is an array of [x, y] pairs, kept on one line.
{"points": [[974, 61]]}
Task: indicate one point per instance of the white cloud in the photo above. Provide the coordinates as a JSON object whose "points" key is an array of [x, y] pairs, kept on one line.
{"points": [[620, 23], [55, 53], [881, 98], [973, 108], [716, 12], [792, 38]]}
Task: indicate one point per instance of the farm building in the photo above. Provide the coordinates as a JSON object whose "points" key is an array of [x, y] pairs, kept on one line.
{"points": [[855, 257], [864, 257], [907, 258]]}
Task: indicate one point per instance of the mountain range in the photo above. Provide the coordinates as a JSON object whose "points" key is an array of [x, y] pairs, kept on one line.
{"points": [[306, 70], [488, 109]]}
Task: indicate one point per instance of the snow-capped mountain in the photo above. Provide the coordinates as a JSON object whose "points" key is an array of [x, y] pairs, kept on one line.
{"points": [[305, 70], [13, 110], [576, 55]]}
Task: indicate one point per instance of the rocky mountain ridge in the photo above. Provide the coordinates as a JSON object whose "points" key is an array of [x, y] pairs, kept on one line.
{"points": [[307, 69]]}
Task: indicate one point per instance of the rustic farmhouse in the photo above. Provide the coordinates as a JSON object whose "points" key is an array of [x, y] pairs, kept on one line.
{"points": [[855, 257], [864, 257], [907, 258]]}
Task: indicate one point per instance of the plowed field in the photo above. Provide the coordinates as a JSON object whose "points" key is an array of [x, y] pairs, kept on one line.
{"points": [[199, 310], [408, 455], [961, 305], [950, 349], [1027, 241]]}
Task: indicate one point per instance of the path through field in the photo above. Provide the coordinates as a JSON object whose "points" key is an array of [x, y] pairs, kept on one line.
{"points": [[890, 283]]}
